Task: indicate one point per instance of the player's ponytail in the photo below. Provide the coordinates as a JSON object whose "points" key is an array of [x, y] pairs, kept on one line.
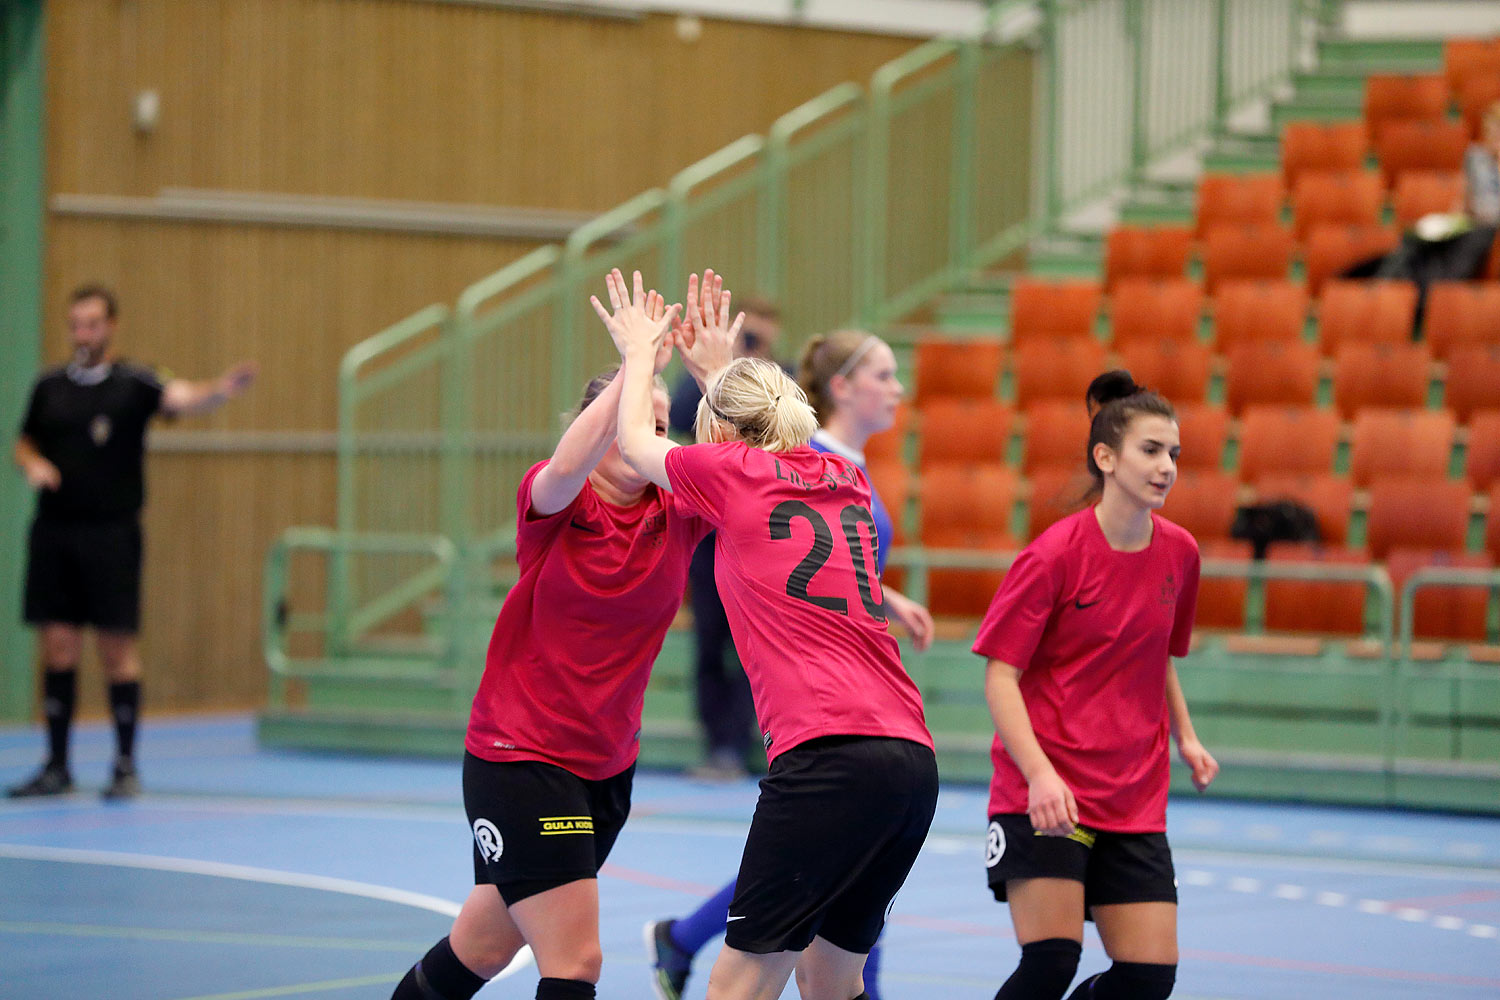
{"points": [[1113, 400], [753, 400]]}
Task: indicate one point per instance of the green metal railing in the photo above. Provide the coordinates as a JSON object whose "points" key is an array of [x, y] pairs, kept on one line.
{"points": [[855, 208]]}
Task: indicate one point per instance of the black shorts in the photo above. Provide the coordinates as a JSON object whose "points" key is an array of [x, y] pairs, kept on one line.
{"points": [[537, 826], [85, 573], [1113, 867], [836, 830]]}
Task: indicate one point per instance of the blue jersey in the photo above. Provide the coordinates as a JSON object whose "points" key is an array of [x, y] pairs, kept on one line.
{"points": [[885, 528]]}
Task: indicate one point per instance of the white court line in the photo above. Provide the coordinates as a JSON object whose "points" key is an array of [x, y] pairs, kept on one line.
{"points": [[247, 873]]}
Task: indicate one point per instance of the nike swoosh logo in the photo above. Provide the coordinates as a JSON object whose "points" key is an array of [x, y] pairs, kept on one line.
{"points": [[585, 527], [731, 919], [1080, 605]]}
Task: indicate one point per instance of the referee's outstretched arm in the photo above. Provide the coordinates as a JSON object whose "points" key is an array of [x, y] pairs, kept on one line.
{"points": [[181, 397]]}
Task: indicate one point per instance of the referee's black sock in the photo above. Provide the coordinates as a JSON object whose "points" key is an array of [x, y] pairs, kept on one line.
{"points": [[548, 988], [438, 976], [59, 693], [125, 706], [1046, 969], [1129, 981]]}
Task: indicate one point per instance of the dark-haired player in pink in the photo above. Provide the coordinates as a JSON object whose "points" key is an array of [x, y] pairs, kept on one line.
{"points": [[553, 735], [1081, 685], [853, 780]]}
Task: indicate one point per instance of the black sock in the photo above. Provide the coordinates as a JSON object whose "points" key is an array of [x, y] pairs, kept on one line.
{"points": [[1129, 981], [125, 706], [59, 694], [1046, 969], [438, 976], [563, 989]]}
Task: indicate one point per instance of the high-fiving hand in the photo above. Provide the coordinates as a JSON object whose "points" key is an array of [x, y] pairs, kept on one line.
{"points": [[640, 323], [706, 337]]}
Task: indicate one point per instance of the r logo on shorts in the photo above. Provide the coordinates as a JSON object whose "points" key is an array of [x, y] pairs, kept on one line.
{"points": [[487, 838], [994, 845]]}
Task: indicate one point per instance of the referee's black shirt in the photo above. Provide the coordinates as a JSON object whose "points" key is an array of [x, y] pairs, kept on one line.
{"points": [[94, 430]]}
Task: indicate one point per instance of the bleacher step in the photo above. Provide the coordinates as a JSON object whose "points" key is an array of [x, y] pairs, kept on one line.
{"points": [[1381, 55]]}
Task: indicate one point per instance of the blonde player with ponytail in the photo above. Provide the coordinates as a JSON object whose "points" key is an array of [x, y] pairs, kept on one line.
{"points": [[853, 780]]}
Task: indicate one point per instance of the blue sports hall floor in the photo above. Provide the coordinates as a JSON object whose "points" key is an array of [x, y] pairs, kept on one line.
{"points": [[246, 873]]}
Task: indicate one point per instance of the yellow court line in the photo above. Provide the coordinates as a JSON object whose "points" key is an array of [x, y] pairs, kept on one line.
{"points": [[205, 937], [303, 988]]}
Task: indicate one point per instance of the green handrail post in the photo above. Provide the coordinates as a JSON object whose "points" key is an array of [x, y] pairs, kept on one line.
{"points": [[961, 199], [1221, 64], [1140, 98], [1052, 150], [340, 576], [680, 189]]}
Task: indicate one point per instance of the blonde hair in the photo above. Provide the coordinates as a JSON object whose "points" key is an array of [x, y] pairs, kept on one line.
{"points": [[828, 355], [752, 400]]}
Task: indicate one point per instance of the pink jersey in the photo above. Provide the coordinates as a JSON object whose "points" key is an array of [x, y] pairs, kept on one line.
{"points": [[1091, 630], [795, 563], [565, 676]]}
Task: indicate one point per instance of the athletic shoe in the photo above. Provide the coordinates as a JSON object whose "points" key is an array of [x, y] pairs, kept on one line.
{"points": [[670, 965], [50, 780], [124, 784]]}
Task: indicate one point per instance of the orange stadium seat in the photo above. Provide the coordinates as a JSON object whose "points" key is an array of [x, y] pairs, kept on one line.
{"points": [[1152, 252], [1335, 607], [1393, 442], [1380, 375], [1142, 311], [1421, 145], [1203, 502], [890, 445], [1178, 370], [1274, 372], [1467, 58], [1331, 498], [1476, 97], [1237, 200], [964, 431], [1422, 192], [1348, 197], [1441, 612], [1461, 314], [1365, 312], [1221, 600], [968, 497], [1057, 490], [1258, 311], [1473, 381], [1417, 512], [1332, 249], [1262, 252], [1056, 432], [1482, 463], [1047, 309], [1283, 440], [1204, 430], [1056, 369], [1312, 145], [968, 368], [1393, 97], [965, 592]]}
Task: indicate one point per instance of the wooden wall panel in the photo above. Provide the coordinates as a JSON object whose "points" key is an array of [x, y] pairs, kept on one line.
{"points": [[198, 297], [399, 99]]}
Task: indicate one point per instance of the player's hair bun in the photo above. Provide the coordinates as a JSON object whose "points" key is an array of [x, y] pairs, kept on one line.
{"points": [[1110, 386]]}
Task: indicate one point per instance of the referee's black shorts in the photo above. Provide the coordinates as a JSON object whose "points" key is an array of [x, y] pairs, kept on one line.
{"points": [[85, 573], [537, 826], [836, 830]]}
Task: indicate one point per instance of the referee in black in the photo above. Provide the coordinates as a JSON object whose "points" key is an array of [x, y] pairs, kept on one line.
{"points": [[82, 447]]}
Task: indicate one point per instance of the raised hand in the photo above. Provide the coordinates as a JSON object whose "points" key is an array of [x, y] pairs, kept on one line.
{"points": [[638, 324], [706, 337], [237, 379]]}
